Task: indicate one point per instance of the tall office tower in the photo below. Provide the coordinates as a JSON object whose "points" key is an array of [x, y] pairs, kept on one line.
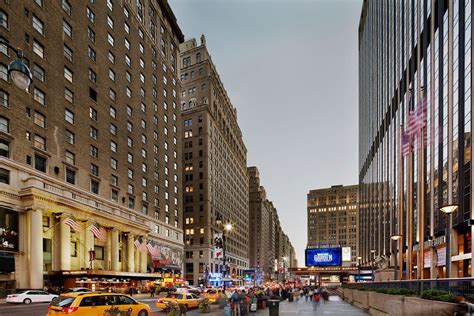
{"points": [[215, 171], [333, 218], [415, 123], [261, 246], [90, 154]]}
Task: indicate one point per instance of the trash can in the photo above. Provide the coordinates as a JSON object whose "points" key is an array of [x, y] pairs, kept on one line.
{"points": [[273, 306], [290, 297]]}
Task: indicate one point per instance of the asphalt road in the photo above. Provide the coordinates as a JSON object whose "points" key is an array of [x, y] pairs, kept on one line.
{"points": [[40, 309]]}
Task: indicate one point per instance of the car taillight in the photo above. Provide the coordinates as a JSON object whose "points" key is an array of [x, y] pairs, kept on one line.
{"points": [[68, 310]]}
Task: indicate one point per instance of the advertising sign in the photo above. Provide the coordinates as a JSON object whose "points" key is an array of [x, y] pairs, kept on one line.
{"points": [[323, 257], [346, 253]]}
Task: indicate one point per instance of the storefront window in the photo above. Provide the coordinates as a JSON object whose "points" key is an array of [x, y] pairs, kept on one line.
{"points": [[8, 230], [99, 252]]}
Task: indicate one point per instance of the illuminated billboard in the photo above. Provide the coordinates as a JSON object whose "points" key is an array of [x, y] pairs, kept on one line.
{"points": [[323, 257]]}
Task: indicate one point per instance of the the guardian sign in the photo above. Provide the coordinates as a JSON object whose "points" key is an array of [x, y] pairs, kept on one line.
{"points": [[323, 257]]}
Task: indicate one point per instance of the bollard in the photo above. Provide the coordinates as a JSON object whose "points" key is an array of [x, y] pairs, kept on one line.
{"points": [[273, 307]]}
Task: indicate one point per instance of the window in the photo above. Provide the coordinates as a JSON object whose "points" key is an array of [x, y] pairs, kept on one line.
{"points": [[94, 170], [38, 96], [73, 248], [4, 125], [113, 112], [113, 146], [3, 19], [66, 6], [38, 25], [40, 119], [38, 49], [99, 252], [130, 158], [3, 98], [69, 116], [68, 74], [112, 95], [110, 5], [91, 34], [114, 195], [90, 15], [114, 180], [3, 72], [40, 142], [92, 54], [113, 163], [140, 10], [127, 44], [95, 189], [67, 29], [111, 57], [94, 152], [70, 158], [110, 22], [131, 203], [113, 129], [111, 75], [92, 76], [4, 148], [38, 72], [68, 53], [93, 132], [128, 61], [68, 95], [69, 137], [110, 39], [93, 114], [4, 176]]}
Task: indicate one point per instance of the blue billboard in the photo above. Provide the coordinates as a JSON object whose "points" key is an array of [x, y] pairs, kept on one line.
{"points": [[323, 257]]}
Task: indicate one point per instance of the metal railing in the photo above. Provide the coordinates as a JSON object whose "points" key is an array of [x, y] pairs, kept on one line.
{"points": [[460, 286]]}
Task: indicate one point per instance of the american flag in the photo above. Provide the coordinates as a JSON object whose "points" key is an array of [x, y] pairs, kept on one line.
{"points": [[413, 124], [417, 118], [98, 231], [406, 144], [137, 244], [143, 247], [152, 249], [72, 223]]}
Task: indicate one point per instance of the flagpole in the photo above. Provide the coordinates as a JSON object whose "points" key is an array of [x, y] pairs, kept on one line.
{"points": [[410, 202]]}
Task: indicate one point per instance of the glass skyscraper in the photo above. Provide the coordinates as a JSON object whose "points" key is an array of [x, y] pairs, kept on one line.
{"points": [[412, 51]]}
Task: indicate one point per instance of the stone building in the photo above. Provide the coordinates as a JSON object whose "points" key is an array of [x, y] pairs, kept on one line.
{"points": [[90, 155], [215, 182]]}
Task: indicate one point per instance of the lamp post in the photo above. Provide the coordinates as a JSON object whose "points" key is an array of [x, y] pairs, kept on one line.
{"points": [[372, 259], [18, 71], [448, 210], [395, 263], [359, 259], [227, 227]]}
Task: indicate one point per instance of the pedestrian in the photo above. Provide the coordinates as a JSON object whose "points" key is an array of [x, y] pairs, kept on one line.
{"points": [[316, 299], [236, 302], [152, 291], [130, 290]]}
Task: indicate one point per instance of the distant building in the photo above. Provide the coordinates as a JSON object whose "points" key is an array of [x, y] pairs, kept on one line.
{"points": [[215, 181], [333, 218]]}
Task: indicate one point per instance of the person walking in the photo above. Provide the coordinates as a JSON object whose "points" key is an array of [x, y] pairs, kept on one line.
{"points": [[316, 299], [152, 291], [236, 302]]}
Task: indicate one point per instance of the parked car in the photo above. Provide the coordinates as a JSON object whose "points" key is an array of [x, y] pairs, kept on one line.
{"points": [[95, 304], [31, 296]]}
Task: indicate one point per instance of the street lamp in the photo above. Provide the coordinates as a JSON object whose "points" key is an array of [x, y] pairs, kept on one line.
{"points": [[359, 259], [395, 265], [18, 71], [227, 228], [448, 210]]}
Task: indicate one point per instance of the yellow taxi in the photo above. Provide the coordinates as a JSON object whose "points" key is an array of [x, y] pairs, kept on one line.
{"points": [[212, 294], [190, 300], [95, 304]]}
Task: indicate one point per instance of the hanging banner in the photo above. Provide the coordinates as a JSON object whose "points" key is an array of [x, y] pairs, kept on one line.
{"points": [[441, 256], [427, 259]]}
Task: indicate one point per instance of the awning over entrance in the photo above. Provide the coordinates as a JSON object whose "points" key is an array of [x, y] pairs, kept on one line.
{"points": [[102, 273]]}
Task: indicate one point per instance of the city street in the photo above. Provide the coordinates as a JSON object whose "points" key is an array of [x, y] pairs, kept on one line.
{"points": [[335, 306]]}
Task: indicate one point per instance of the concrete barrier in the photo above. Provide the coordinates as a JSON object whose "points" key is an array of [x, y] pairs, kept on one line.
{"points": [[378, 304]]}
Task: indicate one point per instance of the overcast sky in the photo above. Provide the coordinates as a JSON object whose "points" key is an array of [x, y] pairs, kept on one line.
{"points": [[290, 69]]}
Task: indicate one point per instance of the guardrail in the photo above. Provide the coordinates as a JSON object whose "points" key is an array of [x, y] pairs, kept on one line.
{"points": [[461, 286]]}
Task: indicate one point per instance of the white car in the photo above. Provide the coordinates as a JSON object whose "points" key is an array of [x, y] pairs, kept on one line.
{"points": [[31, 296]]}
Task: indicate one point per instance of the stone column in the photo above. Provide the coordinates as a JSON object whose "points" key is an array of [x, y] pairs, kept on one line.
{"points": [[143, 260], [64, 245], [88, 244], [130, 254], [115, 250], [35, 262]]}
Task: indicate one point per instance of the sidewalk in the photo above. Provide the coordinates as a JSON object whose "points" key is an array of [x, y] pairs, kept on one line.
{"points": [[335, 306]]}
